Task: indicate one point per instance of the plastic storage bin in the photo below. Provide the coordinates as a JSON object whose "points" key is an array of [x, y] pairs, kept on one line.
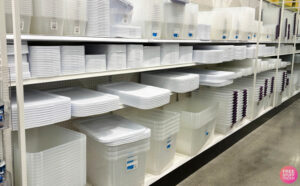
{"points": [[55, 156], [190, 21], [185, 54], [174, 81], [197, 123], [164, 127], [169, 54], [116, 150], [95, 63], [26, 13], [48, 17], [135, 56], [151, 56], [72, 60], [75, 17], [86, 102], [138, 95]]}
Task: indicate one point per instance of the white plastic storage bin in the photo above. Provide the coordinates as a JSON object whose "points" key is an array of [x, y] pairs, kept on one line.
{"points": [[48, 17], [41, 109], [115, 54], [25, 16], [55, 156], [197, 123], [116, 150], [138, 95], [208, 56], [95, 63], [164, 127], [151, 56], [174, 81], [86, 102], [75, 17]]}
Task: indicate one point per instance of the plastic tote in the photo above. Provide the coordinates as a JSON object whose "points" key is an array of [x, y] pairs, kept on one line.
{"points": [[197, 123], [116, 150], [55, 156], [164, 127]]}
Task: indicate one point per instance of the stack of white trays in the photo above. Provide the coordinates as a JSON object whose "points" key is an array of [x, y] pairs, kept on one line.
{"points": [[229, 50], [87, 102], [41, 108], [240, 52], [115, 55], [137, 95], [11, 61], [72, 60], [135, 56], [151, 56], [45, 61], [208, 56], [169, 54], [174, 81], [52, 152], [164, 127], [95, 63], [185, 54], [116, 150]]}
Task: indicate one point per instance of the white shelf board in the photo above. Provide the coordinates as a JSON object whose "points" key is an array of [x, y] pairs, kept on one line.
{"points": [[100, 74], [45, 38], [180, 159]]}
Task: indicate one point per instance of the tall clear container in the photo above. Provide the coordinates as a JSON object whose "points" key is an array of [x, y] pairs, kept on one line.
{"points": [[190, 21]]}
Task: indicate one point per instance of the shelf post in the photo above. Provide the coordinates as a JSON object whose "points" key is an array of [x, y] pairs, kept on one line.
{"points": [[19, 89]]}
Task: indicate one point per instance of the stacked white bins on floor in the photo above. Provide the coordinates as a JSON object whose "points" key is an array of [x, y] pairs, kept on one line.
{"points": [[116, 150], [197, 124], [164, 127], [55, 156]]}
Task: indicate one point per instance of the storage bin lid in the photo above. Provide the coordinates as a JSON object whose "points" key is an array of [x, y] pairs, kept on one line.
{"points": [[113, 130]]}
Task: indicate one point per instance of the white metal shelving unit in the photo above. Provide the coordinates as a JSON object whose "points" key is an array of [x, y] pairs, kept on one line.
{"points": [[16, 37]]}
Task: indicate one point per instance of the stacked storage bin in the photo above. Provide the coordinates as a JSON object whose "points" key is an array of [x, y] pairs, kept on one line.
{"points": [[135, 56], [164, 127], [173, 19], [26, 13], [11, 61], [197, 124], [190, 21], [174, 81], [204, 25], [115, 55], [269, 92], [169, 54], [116, 150], [48, 17], [148, 15], [151, 56], [185, 54], [95, 63], [41, 109], [75, 17], [137, 95], [72, 60], [55, 156], [228, 106]]}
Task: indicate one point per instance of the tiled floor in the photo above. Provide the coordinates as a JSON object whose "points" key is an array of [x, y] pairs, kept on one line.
{"points": [[257, 159]]}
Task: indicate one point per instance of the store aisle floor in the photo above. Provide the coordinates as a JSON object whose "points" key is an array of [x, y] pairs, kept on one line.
{"points": [[257, 159]]}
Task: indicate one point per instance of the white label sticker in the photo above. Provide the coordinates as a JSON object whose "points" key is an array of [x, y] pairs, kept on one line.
{"points": [[169, 143], [53, 25], [131, 163], [76, 29]]}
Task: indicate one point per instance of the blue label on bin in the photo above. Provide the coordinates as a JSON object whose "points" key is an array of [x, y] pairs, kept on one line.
{"points": [[175, 35], [1, 113], [190, 34], [154, 34], [169, 142], [206, 133], [131, 163], [224, 37], [236, 37]]}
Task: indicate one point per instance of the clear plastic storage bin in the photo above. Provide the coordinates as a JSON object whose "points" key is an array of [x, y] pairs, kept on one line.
{"points": [[164, 127], [48, 17], [116, 150], [197, 124], [55, 156], [190, 21], [151, 56], [26, 13]]}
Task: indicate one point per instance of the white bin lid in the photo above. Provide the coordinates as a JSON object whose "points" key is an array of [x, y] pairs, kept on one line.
{"points": [[113, 130]]}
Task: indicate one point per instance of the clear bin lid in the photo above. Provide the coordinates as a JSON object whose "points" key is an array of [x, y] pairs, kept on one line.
{"points": [[113, 130]]}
